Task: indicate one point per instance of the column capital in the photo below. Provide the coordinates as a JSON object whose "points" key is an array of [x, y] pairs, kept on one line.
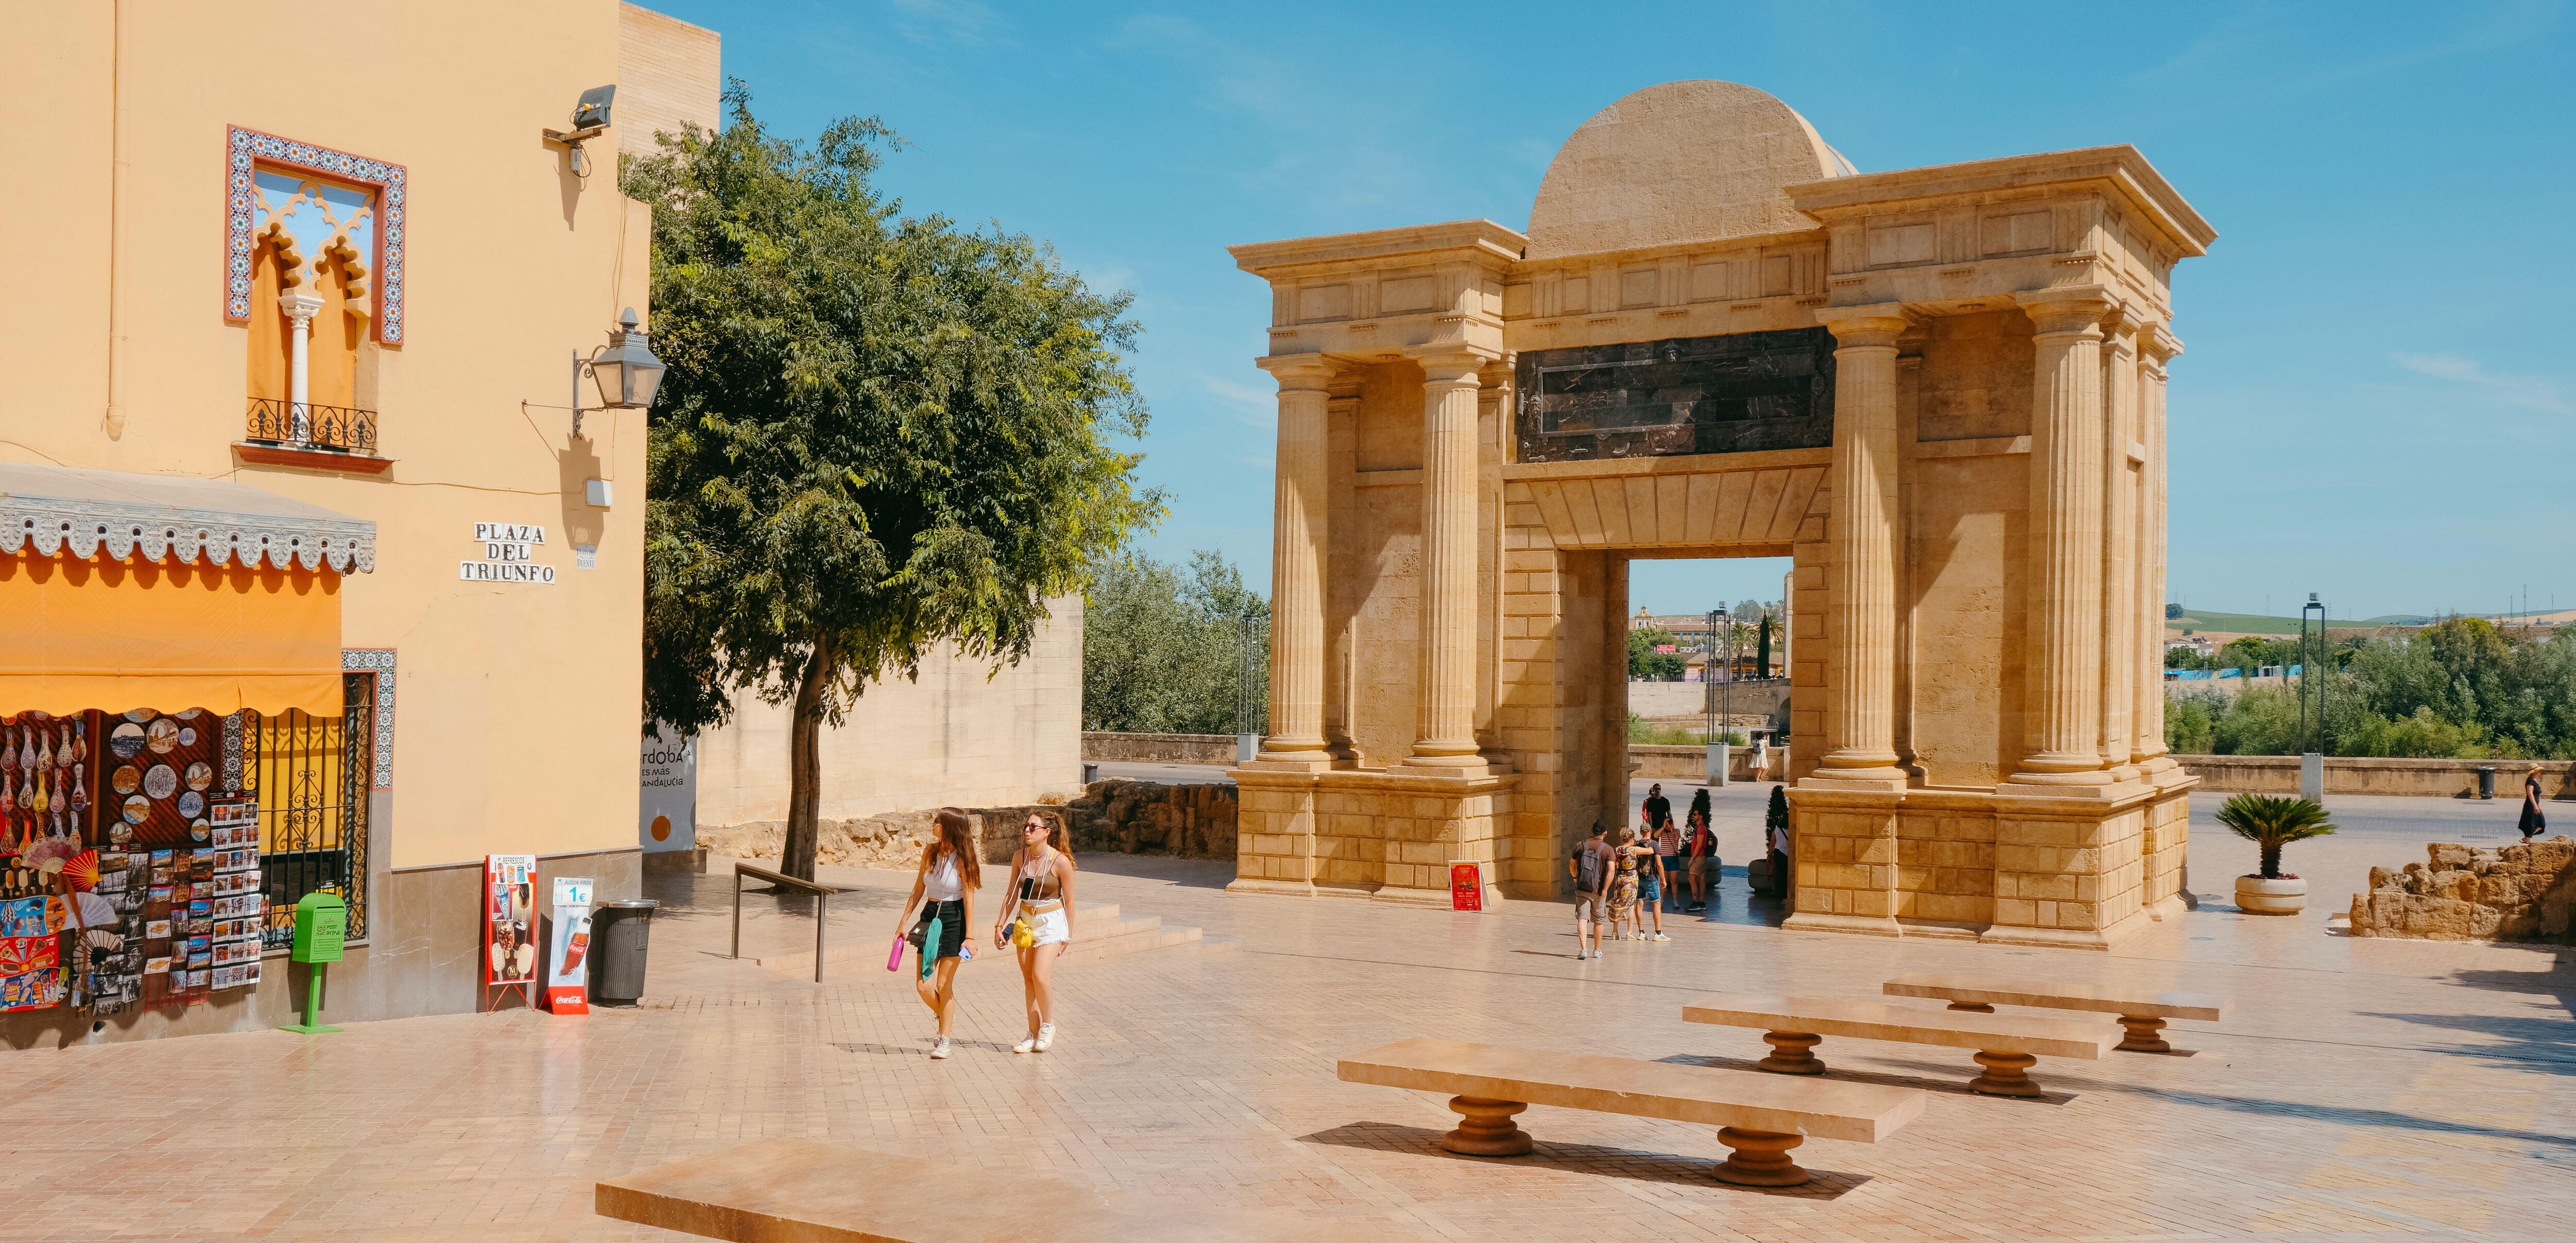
{"points": [[1874, 324], [2159, 343], [298, 305], [2072, 309], [2122, 326], [1299, 371], [1449, 363]]}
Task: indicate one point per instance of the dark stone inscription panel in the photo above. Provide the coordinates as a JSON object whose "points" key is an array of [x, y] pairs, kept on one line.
{"points": [[1748, 390]]}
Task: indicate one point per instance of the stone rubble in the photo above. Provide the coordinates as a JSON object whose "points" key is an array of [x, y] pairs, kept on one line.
{"points": [[1118, 816], [2522, 892]]}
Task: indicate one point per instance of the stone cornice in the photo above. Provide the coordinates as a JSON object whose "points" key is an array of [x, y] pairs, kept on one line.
{"points": [[2120, 167], [1480, 240]]}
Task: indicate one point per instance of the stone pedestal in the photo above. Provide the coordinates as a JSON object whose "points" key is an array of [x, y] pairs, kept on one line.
{"points": [[1387, 836]]}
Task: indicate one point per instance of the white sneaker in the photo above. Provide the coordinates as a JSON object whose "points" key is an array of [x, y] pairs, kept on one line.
{"points": [[1661, 937], [1582, 954], [1046, 1036], [939, 1051], [1029, 1045]]}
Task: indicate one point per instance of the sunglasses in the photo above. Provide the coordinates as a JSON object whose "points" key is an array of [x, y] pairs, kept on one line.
{"points": [[1033, 828]]}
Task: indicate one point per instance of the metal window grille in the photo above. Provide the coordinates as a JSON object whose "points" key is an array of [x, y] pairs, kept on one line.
{"points": [[311, 777]]}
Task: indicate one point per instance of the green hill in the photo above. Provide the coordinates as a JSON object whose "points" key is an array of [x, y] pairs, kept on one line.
{"points": [[2255, 623]]}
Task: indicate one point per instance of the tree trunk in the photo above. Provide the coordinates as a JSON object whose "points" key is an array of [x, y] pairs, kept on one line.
{"points": [[2271, 861], [805, 764]]}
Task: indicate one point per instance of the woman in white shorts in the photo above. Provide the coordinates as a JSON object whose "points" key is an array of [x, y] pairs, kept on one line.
{"points": [[1041, 899]]}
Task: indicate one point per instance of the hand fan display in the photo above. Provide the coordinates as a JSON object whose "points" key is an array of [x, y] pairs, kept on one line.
{"points": [[80, 872]]}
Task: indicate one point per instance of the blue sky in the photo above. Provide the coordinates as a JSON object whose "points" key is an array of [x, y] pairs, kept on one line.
{"points": [[2377, 394]]}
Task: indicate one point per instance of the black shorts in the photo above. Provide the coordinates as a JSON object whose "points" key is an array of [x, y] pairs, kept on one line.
{"points": [[952, 928]]}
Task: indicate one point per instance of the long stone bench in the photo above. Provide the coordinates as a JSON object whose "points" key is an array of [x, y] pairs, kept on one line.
{"points": [[2006, 1045], [2142, 1012], [774, 1190], [1758, 1119]]}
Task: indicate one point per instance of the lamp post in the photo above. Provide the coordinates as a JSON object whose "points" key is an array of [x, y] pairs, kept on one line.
{"points": [[2312, 760], [626, 370], [1721, 664]]}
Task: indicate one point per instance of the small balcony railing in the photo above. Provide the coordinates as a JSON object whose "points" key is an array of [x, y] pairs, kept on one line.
{"points": [[293, 425]]}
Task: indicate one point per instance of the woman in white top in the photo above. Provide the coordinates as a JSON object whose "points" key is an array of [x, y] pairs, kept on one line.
{"points": [[948, 877], [1041, 897]]}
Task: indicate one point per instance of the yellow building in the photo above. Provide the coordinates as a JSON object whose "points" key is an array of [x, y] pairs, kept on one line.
{"points": [[287, 461]]}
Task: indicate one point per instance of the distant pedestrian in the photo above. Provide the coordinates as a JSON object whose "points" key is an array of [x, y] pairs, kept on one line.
{"points": [[1040, 919], [1779, 835], [1650, 885], [1668, 850], [1699, 853], [2533, 823], [1589, 865], [944, 887], [1623, 882], [1658, 810]]}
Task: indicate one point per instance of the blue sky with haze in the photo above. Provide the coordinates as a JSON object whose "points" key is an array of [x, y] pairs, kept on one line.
{"points": [[2376, 398]]}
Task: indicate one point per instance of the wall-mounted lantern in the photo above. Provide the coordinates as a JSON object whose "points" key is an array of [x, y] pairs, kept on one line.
{"points": [[625, 369]]}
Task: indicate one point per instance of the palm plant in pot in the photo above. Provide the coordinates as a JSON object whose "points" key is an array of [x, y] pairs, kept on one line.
{"points": [[2272, 823]]}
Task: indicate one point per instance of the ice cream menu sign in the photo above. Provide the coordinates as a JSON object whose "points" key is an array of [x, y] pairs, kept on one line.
{"points": [[508, 555]]}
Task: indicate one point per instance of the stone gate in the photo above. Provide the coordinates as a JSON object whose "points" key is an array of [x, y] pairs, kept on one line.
{"points": [[1940, 390]]}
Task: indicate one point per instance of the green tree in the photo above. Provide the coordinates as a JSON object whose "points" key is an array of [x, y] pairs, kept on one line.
{"points": [[1162, 646], [878, 434], [1762, 660], [2189, 724], [1645, 664]]}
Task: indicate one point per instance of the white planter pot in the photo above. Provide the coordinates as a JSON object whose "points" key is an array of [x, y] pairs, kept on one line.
{"points": [[2286, 896]]}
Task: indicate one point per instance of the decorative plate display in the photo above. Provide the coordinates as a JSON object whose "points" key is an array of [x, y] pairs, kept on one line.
{"points": [[187, 737], [200, 830], [161, 781], [200, 775], [162, 736], [137, 809], [127, 779], [189, 714], [138, 715], [191, 803], [126, 741]]}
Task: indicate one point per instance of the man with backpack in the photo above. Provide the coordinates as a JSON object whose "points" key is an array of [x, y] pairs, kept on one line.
{"points": [[1589, 865]]}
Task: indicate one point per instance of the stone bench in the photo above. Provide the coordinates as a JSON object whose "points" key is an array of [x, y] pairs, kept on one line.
{"points": [[2006, 1045], [781, 1189], [1758, 1119], [2142, 1012]]}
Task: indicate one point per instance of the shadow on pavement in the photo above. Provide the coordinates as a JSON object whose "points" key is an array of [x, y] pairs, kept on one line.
{"points": [[1581, 1159]]}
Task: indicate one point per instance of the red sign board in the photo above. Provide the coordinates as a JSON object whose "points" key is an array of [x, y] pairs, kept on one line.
{"points": [[1466, 885]]}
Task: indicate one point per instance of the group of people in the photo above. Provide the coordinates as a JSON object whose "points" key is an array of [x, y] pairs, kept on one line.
{"points": [[1036, 918], [1624, 879]]}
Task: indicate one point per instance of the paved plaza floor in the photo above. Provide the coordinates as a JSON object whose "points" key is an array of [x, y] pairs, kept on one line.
{"points": [[2362, 1090]]}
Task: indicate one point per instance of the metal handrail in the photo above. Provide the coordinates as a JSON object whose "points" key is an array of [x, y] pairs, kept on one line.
{"points": [[822, 895], [304, 425]]}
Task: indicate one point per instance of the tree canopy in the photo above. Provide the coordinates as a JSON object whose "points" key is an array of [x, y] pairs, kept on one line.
{"points": [[1162, 647], [878, 433]]}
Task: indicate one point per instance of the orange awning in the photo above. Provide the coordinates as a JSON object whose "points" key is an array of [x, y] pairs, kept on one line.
{"points": [[126, 591]]}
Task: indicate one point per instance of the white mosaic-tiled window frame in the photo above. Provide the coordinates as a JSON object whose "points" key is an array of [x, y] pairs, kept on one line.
{"points": [[245, 150]]}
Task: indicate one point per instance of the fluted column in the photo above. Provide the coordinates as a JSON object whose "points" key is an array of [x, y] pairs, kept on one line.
{"points": [[2060, 718], [2156, 348], [1445, 729], [2120, 636], [1863, 534], [1300, 529]]}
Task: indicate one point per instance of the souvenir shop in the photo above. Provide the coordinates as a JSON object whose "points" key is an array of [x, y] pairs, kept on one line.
{"points": [[163, 632]]}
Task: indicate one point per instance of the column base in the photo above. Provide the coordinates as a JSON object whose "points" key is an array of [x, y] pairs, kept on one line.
{"points": [[1291, 888], [1296, 762], [1866, 925], [1436, 899]]}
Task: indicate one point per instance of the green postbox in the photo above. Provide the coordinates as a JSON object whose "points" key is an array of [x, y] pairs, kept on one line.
{"points": [[321, 921]]}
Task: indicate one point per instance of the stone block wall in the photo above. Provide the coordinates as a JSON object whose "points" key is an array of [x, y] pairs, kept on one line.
{"points": [[1191, 821], [2279, 774], [2165, 845], [1945, 866], [1098, 746], [1195, 821], [2078, 875], [2522, 892], [1845, 858]]}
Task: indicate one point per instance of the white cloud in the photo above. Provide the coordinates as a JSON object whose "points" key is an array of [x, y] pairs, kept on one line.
{"points": [[2531, 392], [958, 21], [1256, 405]]}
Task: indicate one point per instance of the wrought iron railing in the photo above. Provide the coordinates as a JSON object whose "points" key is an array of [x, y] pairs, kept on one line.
{"points": [[302, 425], [311, 775]]}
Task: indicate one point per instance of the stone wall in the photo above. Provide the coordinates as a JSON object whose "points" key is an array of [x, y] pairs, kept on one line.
{"points": [[1195, 821], [2279, 774], [1123, 817], [2522, 892], [1690, 763], [1158, 748]]}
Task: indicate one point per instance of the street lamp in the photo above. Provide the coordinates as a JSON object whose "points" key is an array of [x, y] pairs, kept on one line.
{"points": [[625, 369], [2312, 760], [1721, 664]]}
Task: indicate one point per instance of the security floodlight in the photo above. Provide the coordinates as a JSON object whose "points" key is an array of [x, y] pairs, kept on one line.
{"points": [[589, 120]]}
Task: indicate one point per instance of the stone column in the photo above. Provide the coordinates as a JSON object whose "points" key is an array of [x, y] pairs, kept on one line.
{"points": [[299, 308], [1299, 539], [1445, 728], [2157, 348], [2119, 544], [2060, 719], [1865, 534]]}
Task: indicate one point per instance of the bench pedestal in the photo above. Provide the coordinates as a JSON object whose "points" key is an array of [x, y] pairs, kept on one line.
{"points": [[1973, 1007], [1759, 1159], [1792, 1053], [2006, 1074], [2143, 1036], [1486, 1129]]}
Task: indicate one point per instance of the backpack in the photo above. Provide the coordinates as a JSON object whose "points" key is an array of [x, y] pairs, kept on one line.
{"points": [[1587, 866]]}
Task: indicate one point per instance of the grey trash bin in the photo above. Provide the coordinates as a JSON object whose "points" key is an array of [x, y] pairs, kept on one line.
{"points": [[620, 933], [2486, 781]]}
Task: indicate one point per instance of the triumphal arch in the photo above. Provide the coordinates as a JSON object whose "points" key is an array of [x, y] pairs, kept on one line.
{"points": [[1940, 390]]}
